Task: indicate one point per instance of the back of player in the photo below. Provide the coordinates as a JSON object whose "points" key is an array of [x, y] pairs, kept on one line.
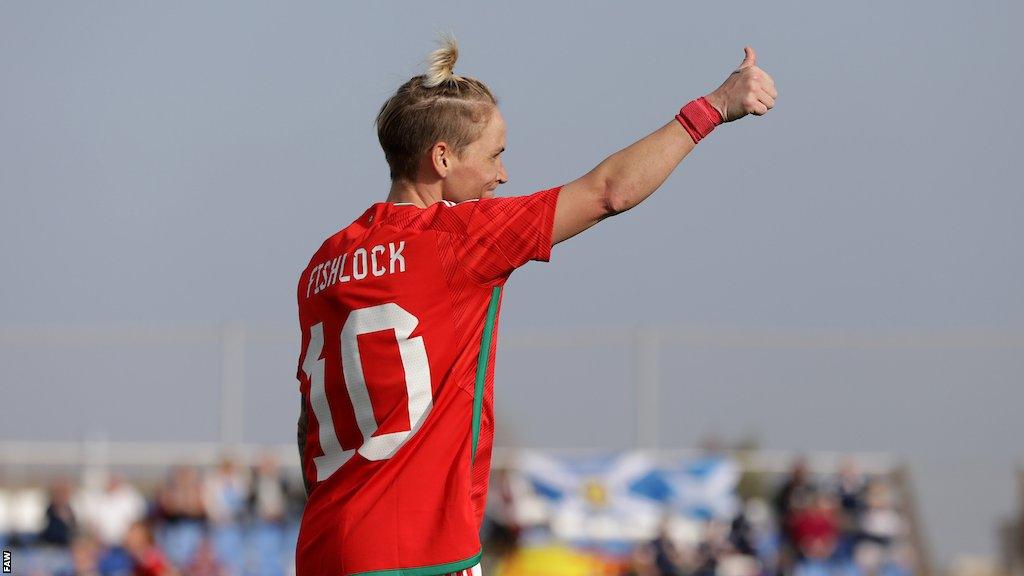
{"points": [[399, 316]]}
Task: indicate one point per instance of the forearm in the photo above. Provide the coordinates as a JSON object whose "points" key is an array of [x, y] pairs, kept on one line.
{"points": [[629, 176], [635, 172], [301, 437], [621, 181]]}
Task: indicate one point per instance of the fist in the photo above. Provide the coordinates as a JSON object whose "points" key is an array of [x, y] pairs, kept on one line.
{"points": [[748, 90]]}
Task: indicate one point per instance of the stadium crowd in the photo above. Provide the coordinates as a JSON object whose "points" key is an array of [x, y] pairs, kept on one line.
{"points": [[229, 521], [843, 524], [235, 521]]}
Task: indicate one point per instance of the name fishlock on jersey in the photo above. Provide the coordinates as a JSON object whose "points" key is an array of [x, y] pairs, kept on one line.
{"points": [[399, 316]]}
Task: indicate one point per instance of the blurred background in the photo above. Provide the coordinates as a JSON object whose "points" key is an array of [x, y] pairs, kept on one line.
{"points": [[803, 355]]}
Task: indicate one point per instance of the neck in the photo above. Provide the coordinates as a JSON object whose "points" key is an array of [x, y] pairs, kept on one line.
{"points": [[419, 193]]}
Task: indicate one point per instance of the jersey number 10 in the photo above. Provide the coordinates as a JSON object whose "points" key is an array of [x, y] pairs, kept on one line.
{"points": [[417, 383]]}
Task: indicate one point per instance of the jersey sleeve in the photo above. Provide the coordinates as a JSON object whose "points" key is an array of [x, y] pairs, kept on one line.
{"points": [[499, 235]]}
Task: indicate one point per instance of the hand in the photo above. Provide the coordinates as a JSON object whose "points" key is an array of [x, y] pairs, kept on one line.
{"points": [[748, 90]]}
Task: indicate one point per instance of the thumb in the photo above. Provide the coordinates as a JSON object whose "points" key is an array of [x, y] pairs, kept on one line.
{"points": [[749, 59]]}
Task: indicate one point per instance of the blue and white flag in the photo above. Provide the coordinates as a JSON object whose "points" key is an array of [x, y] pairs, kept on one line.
{"points": [[619, 497], [704, 488]]}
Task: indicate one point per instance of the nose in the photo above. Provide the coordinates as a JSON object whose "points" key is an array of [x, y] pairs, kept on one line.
{"points": [[502, 174]]}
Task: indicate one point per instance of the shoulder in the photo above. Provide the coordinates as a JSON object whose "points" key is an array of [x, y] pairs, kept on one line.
{"points": [[499, 208]]}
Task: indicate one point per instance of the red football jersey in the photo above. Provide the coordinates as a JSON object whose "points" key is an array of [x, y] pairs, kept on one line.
{"points": [[399, 317]]}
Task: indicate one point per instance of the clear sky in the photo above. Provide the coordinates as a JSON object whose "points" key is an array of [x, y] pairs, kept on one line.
{"points": [[176, 165]]}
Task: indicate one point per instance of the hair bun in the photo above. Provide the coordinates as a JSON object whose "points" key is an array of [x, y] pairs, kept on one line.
{"points": [[441, 66]]}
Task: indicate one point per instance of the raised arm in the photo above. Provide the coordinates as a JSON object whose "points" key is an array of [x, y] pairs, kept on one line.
{"points": [[630, 175]]}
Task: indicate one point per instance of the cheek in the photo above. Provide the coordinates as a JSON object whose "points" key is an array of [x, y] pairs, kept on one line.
{"points": [[484, 175], [473, 181]]}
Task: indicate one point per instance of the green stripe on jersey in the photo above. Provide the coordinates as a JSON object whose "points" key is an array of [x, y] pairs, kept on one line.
{"points": [[434, 570], [481, 365]]}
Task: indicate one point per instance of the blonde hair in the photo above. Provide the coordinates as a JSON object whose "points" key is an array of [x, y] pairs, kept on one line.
{"points": [[432, 107]]}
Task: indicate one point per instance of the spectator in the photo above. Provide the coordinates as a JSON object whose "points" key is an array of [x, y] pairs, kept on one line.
{"points": [[742, 535], [181, 497], [111, 510], [182, 511], [61, 522], [668, 559], [739, 565], [880, 524], [268, 503], [793, 495], [85, 557], [224, 493], [205, 562], [815, 528], [754, 533], [869, 557], [268, 497], [224, 496], [851, 489], [795, 492], [147, 558], [116, 561], [715, 546]]}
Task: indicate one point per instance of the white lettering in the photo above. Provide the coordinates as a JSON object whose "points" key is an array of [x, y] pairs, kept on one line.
{"points": [[334, 271], [312, 276], [396, 256], [359, 264], [343, 278], [363, 263], [373, 260], [323, 278]]}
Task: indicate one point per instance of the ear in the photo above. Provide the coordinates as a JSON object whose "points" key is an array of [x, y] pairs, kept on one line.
{"points": [[441, 158]]}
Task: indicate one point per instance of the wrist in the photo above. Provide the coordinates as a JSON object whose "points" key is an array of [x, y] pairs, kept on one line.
{"points": [[699, 117], [718, 103]]}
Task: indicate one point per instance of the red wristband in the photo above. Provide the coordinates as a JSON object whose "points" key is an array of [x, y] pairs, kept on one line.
{"points": [[699, 118]]}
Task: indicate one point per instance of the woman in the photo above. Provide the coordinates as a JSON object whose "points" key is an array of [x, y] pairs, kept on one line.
{"points": [[399, 316]]}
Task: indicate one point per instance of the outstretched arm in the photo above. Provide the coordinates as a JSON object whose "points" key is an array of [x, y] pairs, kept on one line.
{"points": [[629, 176]]}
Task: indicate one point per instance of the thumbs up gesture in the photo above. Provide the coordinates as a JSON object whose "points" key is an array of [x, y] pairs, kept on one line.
{"points": [[748, 90]]}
